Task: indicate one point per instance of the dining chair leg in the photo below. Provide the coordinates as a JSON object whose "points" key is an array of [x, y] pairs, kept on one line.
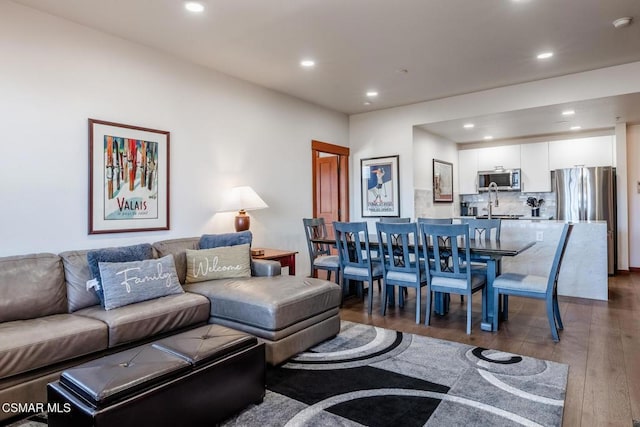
{"points": [[485, 301], [383, 306], [469, 314], [505, 307], [496, 312], [371, 296], [556, 311], [552, 321], [427, 317], [418, 305]]}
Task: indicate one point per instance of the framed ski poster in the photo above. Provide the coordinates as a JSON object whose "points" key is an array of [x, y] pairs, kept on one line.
{"points": [[380, 189], [128, 178]]}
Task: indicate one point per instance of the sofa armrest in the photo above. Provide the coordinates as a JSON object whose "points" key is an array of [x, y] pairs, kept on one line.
{"points": [[265, 267]]}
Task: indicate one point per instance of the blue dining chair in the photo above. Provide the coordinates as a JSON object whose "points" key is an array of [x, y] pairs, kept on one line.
{"points": [[401, 264], [356, 262], [320, 257], [456, 277], [532, 286], [483, 228]]}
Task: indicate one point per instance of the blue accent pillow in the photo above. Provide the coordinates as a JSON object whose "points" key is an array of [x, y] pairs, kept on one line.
{"points": [[125, 283], [209, 241], [121, 254]]}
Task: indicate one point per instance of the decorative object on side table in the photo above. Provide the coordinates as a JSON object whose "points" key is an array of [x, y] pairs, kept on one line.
{"points": [[128, 178], [380, 188], [242, 199], [442, 181], [535, 205]]}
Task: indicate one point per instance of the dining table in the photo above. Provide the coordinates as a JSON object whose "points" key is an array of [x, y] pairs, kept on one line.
{"points": [[489, 252]]}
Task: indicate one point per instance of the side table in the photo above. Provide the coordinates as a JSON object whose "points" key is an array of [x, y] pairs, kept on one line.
{"points": [[286, 258]]}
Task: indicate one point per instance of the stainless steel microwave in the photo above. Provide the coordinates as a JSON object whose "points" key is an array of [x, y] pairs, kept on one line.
{"points": [[505, 179]]}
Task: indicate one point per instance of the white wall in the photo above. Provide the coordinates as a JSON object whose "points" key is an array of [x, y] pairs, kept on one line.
{"points": [[633, 171], [390, 131], [427, 147], [54, 75]]}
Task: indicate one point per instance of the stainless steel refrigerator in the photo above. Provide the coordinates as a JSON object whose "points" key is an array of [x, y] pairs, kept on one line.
{"points": [[585, 194]]}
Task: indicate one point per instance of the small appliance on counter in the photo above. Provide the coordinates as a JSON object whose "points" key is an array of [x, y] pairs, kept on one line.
{"points": [[464, 208]]}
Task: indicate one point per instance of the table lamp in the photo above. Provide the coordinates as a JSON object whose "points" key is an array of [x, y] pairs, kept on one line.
{"points": [[242, 199]]}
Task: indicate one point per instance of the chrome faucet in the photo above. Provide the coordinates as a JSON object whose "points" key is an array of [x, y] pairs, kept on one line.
{"points": [[490, 203]]}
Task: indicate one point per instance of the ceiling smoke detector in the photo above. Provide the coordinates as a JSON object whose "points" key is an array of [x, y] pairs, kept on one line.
{"points": [[622, 22]]}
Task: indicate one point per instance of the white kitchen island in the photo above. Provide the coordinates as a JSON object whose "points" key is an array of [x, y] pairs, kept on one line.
{"points": [[584, 271]]}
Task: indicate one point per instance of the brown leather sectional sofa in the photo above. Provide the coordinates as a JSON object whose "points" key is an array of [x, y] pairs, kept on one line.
{"points": [[49, 321]]}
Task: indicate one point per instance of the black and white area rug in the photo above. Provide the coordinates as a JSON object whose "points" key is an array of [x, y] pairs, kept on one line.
{"points": [[378, 377]]}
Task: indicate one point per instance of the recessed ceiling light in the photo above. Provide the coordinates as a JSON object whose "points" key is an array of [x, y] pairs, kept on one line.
{"points": [[576, 127], [622, 22], [372, 94], [193, 6], [367, 103], [488, 137], [545, 55], [568, 112], [307, 63], [469, 126]]}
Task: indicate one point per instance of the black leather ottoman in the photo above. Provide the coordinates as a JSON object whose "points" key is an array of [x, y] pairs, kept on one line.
{"points": [[198, 377]]}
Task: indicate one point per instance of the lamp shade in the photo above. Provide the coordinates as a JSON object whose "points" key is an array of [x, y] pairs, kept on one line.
{"points": [[242, 199]]}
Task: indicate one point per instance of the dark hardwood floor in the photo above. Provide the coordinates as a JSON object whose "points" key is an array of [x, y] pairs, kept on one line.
{"points": [[600, 343]]}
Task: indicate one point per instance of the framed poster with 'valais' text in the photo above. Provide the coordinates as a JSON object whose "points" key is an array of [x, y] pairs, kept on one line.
{"points": [[128, 178]]}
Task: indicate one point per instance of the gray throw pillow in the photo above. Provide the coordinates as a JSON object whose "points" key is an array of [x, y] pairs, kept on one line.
{"points": [[208, 241], [120, 254], [125, 283]]}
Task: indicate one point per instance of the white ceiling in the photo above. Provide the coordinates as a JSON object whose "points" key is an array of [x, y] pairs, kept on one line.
{"points": [[447, 47]]}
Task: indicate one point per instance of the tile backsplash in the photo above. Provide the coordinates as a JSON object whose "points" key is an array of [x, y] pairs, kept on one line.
{"points": [[511, 203]]}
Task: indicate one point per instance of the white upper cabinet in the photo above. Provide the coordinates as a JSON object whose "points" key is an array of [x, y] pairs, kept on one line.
{"points": [[468, 171], [534, 164], [588, 152], [506, 156]]}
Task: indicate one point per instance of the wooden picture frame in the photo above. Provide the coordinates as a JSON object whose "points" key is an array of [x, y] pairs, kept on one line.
{"points": [[442, 181], [380, 189], [128, 178]]}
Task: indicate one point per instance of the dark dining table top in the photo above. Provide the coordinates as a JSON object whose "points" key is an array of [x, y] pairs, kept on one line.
{"points": [[479, 247]]}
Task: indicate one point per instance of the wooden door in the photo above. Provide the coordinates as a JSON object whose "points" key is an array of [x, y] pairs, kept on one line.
{"points": [[328, 191], [330, 174]]}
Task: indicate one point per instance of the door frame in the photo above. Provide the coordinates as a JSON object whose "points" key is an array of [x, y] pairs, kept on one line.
{"points": [[318, 147]]}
